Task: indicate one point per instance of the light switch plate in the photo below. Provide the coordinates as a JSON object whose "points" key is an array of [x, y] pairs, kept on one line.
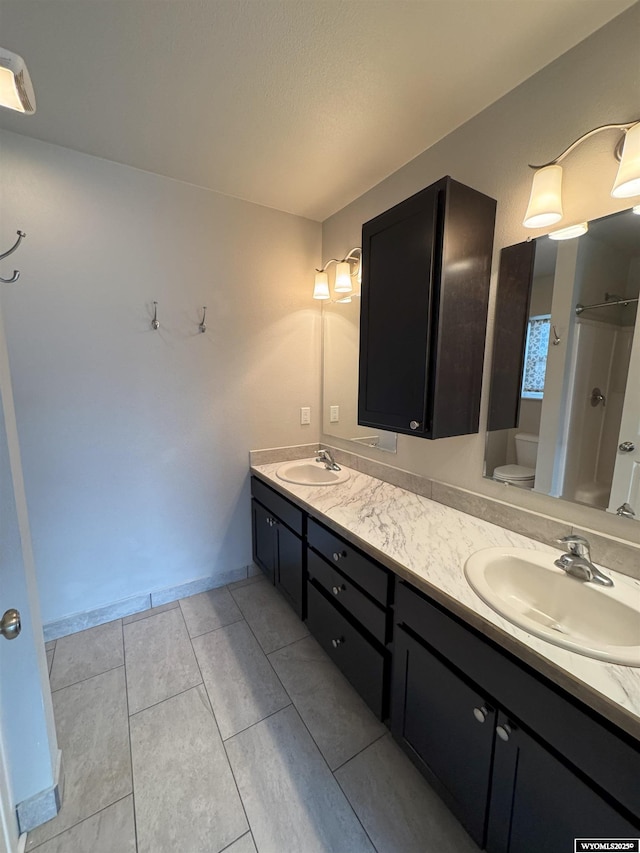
{"points": [[305, 414], [334, 414]]}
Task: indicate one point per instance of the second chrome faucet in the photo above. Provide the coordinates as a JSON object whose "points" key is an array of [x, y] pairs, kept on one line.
{"points": [[577, 562]]}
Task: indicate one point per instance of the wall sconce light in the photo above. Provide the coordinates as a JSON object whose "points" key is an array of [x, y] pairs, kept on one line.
{"points": [[16, 89], [545, 201], [346, 269]]}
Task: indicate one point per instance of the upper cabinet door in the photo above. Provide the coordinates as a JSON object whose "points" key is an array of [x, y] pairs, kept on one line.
{"points": [[426, 267]]}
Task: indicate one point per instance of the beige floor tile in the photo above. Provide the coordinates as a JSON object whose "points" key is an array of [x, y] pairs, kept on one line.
{"points": [[87, 653], [186, 798], [159, 659], [240, 681], [93, 734]]}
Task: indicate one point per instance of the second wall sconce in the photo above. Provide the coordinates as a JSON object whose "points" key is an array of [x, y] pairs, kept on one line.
{"points": [[346, 269], [545, 202]]}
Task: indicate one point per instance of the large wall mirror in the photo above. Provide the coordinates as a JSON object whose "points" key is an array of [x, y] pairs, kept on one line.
{"points": [[564, 408], [340, 342]]}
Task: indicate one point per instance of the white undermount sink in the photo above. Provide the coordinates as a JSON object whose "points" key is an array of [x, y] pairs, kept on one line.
{"points": [[526, 588], [308, 472]]}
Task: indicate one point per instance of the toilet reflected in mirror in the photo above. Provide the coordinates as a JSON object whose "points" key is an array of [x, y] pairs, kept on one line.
{"points": [[522, 475]]}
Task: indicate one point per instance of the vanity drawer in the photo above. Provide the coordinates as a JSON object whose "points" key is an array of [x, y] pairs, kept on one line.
{"points": [[352, 563], [360, 606], [279, 506], [362, 664]]}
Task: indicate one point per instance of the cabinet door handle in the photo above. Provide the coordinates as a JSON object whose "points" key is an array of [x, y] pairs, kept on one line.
{"points": [[336, 590], [337, 642], [504, 731], [481, 713], [338, 555], [414, 424]]}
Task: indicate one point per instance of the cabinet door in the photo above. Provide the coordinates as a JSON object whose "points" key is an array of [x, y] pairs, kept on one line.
{"points": [[398, 252], [446, 728], [263, 539], [538, 803], [289, 569]]}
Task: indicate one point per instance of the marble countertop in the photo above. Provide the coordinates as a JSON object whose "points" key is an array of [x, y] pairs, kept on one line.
{"points": [[427, 543]]}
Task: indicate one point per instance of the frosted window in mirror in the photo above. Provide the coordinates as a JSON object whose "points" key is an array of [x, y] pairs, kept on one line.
{"points": [[535, 357]]}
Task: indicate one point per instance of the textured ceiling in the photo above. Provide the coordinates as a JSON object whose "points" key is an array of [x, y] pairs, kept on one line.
{"points": [[301, 105]]}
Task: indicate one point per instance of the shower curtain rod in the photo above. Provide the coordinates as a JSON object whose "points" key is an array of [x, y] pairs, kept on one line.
{"points": [[580, 308]]}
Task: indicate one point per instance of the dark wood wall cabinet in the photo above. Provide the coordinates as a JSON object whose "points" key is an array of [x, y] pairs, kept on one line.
{"points": [[524, 766], [425, 292]]}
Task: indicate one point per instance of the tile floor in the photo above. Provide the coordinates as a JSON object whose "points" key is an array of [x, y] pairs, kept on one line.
{"points": [[218, 724]]}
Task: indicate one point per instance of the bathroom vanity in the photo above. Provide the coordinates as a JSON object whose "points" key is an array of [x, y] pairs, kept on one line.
{"points": [[529, 744]]}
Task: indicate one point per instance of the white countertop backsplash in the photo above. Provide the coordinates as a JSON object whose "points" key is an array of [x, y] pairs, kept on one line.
{"points": [[429, 543]]}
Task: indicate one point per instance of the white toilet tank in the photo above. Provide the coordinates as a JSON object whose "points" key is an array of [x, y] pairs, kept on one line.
{"points": [[523, 474], [526, 449]]}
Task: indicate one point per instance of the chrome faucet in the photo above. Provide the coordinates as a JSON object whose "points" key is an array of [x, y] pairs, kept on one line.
{"points": [[577, 562], [326, 456]]}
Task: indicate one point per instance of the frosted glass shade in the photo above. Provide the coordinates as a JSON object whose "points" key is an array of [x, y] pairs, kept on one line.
{"points": [[627, 181], [321, 287], [570, 232], [545, 202], [343, 278]]}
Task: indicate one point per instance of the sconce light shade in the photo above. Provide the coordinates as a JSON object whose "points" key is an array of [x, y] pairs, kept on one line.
{"points": [[545, 202], [321, 287], [627, 181], [16, 88], [343, 278]]}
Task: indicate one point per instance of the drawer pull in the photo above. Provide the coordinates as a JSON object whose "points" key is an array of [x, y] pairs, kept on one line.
{"points": [[337, 642], [503, 732], [338, 555], [480, 714], [414, 424], [336, 590]]}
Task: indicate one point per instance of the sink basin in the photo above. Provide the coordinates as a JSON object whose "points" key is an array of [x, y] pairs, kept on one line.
{"points": [[527, 589], [308, 472]]}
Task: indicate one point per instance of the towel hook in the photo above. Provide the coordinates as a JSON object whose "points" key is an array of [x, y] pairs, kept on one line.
{"points": [[155, 323], [556, 339], [16, 273], [203, 325]]}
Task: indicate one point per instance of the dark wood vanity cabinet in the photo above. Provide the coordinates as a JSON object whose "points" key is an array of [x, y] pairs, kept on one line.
{"points": [[425, 291], [522, 765], [348, 612], [537, 802], [277, 527]]}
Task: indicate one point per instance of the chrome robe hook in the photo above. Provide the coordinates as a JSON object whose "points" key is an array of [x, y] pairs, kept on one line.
{"points": [[155, 323], [16, 273], [203, 325]]}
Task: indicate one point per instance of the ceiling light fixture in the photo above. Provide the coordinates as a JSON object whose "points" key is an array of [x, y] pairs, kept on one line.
{"points": [[16, 88], [545, 201], [346, 269]]}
